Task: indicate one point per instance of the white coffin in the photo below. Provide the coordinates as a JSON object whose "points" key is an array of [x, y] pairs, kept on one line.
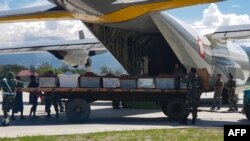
{"points": [[68, 80], [164, 83], [90, 82], [128, 82], [47, 81], [146, 83], [110, 82]]}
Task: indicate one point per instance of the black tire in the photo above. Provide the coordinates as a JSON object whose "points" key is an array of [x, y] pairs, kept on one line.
{"points": [[176, 109], [77, 110], [247, 112], [164, 108]]}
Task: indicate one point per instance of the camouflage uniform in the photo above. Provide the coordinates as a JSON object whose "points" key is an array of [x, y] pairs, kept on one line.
{"points": [[51, 98], [33, 96], [192, 97], [217, 94], [8, 98], [232, 98], [178, 73]]}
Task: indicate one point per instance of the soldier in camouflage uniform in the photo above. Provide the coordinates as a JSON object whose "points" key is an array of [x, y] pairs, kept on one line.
{"points": [[8, 88], [218, 88], [178, 73], [232, 98], [51, 98], [193, 96]]}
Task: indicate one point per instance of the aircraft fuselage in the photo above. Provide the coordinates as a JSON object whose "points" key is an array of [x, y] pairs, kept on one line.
{"points": [[151, 43]]}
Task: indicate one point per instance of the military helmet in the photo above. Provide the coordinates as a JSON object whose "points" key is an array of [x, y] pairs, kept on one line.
{"points": [[10, 75], [193, 70]]}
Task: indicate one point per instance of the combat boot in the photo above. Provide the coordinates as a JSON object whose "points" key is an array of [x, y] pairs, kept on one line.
{"points": [[7, 122], [48, 115], [3, 122], [184, 121], [193, 120], [57, 115], [236, 109]]}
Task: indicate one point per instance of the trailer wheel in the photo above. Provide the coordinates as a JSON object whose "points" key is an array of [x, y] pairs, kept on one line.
{"points": [[164, 108], [176, 109], [247, 112], [77, 110]]}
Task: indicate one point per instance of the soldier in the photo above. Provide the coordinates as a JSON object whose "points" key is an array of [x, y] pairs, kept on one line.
{"points": [[178, 73], [18, 103], [193, 96], [232, 98], [33, 96], [50, 98], [8, 87], [218, 87]]}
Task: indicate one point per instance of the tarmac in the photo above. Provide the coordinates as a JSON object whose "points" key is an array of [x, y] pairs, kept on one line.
{"points": [[104, 118]]}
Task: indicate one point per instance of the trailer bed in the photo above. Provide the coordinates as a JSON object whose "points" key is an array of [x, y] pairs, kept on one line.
{"points": [[77, 99]]}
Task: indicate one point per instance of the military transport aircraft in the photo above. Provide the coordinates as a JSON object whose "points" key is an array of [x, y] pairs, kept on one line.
{"points": [[143, 39]]}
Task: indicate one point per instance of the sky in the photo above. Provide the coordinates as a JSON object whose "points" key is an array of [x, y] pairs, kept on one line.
{"points": [[230, 12]]}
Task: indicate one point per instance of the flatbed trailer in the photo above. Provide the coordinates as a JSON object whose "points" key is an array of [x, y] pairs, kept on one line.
{"points": [[77, 108]]}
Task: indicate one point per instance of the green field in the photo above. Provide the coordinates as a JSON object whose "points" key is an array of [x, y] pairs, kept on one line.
{"points": [[190, 134]]}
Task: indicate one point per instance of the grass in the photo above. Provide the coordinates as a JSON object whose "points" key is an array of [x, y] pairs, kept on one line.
{"points": [[190, 134]]}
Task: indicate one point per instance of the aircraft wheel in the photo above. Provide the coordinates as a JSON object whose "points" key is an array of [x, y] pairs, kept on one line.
{"points": [[176, 109], [77, 110]]}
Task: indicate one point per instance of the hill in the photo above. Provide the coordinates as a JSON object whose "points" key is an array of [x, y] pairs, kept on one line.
{"points": [[35, 59]]}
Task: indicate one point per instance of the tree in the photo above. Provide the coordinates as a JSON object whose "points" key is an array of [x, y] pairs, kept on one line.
{"points": [[78, 71], [58, 71], [4, 69], [32, 69], [64, 68], [44, 68]]}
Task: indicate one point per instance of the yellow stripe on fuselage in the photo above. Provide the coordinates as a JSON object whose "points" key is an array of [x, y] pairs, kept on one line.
{"points": [[40, 16], [121, 15], [138, 10]]}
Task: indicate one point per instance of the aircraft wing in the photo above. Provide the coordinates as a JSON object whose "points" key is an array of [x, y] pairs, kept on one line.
{"points": [[74, 53], [92, 46], [41, 13], [231, 32]]}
